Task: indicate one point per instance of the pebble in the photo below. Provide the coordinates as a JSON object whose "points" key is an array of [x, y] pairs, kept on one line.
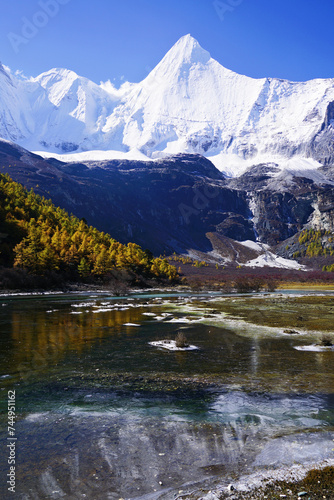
{"points": [[302, 494]]}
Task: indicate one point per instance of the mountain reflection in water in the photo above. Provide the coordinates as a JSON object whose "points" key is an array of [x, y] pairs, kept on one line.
{"points": [[102, 414]]}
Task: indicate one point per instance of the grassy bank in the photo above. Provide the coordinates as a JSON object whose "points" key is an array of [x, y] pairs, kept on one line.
{"points": [[308, 312], [305, 285]]}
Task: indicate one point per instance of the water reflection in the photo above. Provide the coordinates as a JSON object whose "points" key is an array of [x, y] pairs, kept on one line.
{"points": [[81, 434], [270, 411], [105, 457], [255, 356], [148, 447], [42, 337]]}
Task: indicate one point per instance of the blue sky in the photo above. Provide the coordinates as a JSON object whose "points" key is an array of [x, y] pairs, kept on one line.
{"points": [[124, 39]]}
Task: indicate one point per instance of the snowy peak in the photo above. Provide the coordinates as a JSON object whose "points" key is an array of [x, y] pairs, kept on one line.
{"points": [[189, 103], [186, 50], [180, 62], [55, 76], [57, 83]]}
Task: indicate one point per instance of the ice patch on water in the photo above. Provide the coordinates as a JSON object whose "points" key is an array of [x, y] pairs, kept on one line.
{"points": [[314, 348], [83, 304], [179, 320], [28, 294], [171, 345], [160, 318], [104, 309], [130, 324], [186, 320]]}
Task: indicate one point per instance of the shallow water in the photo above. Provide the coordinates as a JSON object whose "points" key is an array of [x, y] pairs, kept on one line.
{"points": [[103, 414]]}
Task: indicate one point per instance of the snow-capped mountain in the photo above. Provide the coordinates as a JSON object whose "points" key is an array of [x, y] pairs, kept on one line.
{"points": [[188, 103]]}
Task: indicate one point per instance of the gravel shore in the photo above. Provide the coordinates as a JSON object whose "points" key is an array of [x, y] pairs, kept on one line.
{"points": [[312, 481]]}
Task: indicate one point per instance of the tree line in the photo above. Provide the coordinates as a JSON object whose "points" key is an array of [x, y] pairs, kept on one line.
{"points": [[316, 243]]}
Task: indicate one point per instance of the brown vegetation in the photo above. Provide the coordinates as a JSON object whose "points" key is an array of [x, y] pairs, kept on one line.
{"points": [[181, 340], [231, 277]]}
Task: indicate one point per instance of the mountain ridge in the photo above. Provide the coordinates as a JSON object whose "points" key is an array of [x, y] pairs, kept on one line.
{"points": [[184, 204], [189, 103]]}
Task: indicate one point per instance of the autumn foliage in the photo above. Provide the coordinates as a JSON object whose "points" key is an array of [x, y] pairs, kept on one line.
{"points": [[39, 237]]}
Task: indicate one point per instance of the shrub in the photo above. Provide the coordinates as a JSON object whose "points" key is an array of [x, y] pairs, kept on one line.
{"points": [[327, 340], [248, 284], [271, 285], [181, 340]]}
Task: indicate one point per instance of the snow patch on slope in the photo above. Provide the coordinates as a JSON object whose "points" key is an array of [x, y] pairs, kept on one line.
{"points": [[298, 167], [96, 155], [258, 247], [270, 259]]}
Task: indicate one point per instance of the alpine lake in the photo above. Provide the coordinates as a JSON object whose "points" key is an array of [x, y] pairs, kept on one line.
{"points": [[100, 413]]}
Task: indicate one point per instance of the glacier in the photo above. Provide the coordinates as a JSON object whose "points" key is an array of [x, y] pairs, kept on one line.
{"points": [[189, 103]]}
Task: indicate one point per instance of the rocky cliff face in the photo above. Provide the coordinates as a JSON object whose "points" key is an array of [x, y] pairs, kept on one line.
{"points": [[322, 217], [283, 204]]}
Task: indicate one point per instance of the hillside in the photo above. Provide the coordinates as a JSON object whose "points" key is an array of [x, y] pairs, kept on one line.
{"points": [[40, 238]]}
